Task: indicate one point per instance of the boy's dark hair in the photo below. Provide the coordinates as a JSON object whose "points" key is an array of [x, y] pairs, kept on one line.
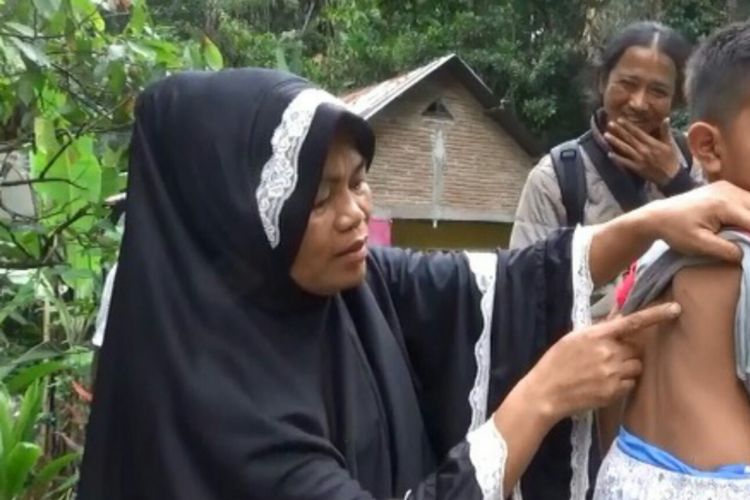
{"points": [[719, 75], [645, 34]]}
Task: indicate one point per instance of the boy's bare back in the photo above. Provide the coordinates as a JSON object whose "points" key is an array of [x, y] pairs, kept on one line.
{"points": [[689, 401]]}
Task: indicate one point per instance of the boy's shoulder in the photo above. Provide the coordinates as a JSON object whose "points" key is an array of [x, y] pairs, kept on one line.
{"points": [[655, 270]]}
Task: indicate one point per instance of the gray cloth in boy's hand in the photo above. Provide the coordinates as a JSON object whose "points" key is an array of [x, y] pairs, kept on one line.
{"points": [[655, 271]]}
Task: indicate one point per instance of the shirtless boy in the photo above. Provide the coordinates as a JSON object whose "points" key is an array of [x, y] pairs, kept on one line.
{"points": [[686, 426]]}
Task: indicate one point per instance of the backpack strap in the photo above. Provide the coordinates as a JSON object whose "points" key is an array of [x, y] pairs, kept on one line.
{"points": [[571, 176]]}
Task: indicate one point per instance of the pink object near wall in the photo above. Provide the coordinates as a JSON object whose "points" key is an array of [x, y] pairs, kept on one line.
{"points": [[380, 232]]}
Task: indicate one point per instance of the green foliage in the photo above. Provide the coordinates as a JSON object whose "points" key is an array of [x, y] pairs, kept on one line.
{"points": [[525, 51], [20, 455], [70, 73], [696, 18], [535, 54]]}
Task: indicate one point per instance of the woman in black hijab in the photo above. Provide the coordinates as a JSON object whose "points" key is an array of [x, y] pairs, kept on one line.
{"points": [[257, 349]]}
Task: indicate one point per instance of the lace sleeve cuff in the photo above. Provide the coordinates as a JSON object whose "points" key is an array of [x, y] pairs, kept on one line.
{"points": [[488, 453], [583, 284], [583, 288]]}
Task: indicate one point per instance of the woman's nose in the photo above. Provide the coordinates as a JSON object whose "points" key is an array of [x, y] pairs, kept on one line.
{"points": [[638, 100], [350, 213]]}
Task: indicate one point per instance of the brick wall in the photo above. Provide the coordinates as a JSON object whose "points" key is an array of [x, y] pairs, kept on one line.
{"points": [[484, 168]]}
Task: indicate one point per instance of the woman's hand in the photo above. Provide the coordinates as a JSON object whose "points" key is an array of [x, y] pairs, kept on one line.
{"points": [[653, 158], [689, 222], [585, 369], [592, 367]]}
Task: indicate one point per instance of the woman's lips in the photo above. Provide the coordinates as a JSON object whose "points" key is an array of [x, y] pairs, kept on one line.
{"points": [[357, 250]]}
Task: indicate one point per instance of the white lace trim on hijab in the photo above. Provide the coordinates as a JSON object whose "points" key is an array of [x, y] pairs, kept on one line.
{"points": [[278, 178]]}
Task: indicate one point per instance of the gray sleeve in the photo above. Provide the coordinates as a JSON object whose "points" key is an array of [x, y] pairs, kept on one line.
{"points": [[540, 209]]}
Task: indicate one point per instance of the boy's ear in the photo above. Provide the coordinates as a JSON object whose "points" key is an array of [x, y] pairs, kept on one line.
{"points": [[707, 147]]}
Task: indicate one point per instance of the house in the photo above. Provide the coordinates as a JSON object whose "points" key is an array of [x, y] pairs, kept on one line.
{"points": [[450, 161]]}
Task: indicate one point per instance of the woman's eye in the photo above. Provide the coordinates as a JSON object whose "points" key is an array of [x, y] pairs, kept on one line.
{"points": [[357, 184], [322, 197]]}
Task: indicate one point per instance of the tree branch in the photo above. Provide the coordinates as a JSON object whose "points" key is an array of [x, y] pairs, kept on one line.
{"points": [[49, 245], [62, 210], [13, 213], [66, 73], [10, 146], [69, 442], [81, 213], [308, 17], [6, 34], [27, 182], [15, 241], [81, 130], [55, 157], [29, 264]]}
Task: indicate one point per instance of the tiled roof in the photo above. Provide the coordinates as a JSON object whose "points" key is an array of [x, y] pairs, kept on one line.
{"points": [[369, 101]]}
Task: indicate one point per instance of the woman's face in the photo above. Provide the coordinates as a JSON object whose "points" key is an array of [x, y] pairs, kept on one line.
{"points": [[333, 252], [641, 88]]}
